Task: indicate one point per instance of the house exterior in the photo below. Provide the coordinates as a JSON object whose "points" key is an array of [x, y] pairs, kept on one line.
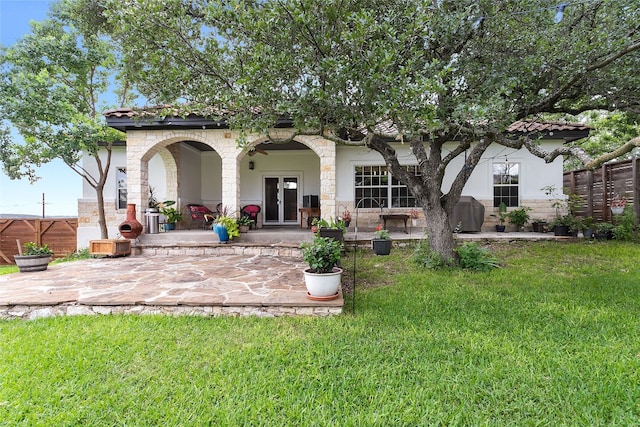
{"points": [[197, 160]]}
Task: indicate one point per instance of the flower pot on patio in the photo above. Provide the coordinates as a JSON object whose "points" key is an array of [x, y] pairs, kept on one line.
{"points": [[322, 286], [27, 263]]}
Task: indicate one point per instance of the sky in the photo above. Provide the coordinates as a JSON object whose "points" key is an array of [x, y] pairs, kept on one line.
{"points": [[60, 185]]}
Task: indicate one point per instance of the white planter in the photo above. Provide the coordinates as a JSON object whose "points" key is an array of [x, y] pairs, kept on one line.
{"points": [[323, 286], [617, 210]]}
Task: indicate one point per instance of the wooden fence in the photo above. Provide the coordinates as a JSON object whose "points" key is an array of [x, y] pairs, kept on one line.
{"points": [[598, 187], [59, 233]]}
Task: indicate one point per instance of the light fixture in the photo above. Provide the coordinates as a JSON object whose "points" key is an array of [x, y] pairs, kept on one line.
{"points": [[559, 13], [251, 165]]}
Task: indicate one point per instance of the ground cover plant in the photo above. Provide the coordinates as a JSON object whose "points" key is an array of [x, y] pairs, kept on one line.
{"points": [[548, 339]]}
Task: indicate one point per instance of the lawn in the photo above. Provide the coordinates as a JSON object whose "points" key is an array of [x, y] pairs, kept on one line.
{"points": [[549, 339]]}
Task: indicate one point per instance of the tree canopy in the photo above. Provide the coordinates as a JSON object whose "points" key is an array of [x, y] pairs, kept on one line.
{"points": [[54, 84], [436, 71]]}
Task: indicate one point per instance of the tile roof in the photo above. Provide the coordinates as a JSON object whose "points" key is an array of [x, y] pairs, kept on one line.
{"points": [[532, 126]]}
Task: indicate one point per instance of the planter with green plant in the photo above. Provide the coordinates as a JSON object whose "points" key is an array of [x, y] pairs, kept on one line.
{"points": [[172, 216], [333, 228], [382, 242], [226, 227], [564, 225], [322, 278], [244, 223], [502, 216], [519, 217], [603, 230], [33, 258]]}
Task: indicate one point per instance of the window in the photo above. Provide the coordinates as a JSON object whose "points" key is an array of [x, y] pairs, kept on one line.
{"points": [[374, 185], [121, 188], [506, 177]]}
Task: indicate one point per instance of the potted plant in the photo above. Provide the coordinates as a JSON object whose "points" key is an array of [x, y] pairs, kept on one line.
{"points": [[563, 225], [172, 215], [345, 218], [617, 205], [322, 278], [519, 217], [226, 226], [539, 225], [587, 227], [381, 243], [334, 228], [414, 214], [33, 257], [244, 223], [502, 216], [603, 230]]}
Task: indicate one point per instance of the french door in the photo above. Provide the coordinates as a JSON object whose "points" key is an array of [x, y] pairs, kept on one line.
{"points": [[281, 199]]}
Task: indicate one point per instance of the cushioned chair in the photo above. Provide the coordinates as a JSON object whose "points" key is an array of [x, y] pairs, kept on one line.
{"points": [[252, 211], [201, 215]]}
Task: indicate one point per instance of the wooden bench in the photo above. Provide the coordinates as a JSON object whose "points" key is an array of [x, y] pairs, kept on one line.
{"points": [[403, 217]]}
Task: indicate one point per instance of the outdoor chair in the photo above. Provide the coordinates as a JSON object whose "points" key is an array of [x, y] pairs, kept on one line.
{"points": [[252, 212], [201, 214]]}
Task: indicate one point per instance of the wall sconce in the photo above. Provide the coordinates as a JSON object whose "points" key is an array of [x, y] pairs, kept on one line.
{"points": [[251, 165]]}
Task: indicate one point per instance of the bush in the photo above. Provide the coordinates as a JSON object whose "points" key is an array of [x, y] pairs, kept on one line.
{"points": [[423, 256], [473, 257], [625, 226]]}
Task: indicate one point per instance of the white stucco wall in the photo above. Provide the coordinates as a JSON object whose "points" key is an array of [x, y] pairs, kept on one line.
{"points": [[199, 177]]}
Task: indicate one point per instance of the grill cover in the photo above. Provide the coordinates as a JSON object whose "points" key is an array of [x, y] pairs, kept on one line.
{"points": [[468, 213]]}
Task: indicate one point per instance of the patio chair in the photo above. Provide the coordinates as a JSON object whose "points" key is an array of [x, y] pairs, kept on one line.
{"points": [[252, 212], [201, 214]]}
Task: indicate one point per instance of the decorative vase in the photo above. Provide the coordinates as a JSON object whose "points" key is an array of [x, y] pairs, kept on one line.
{"points": [[131, 227], [322, 286], [221, 231], [27, 263], [381, 246]]}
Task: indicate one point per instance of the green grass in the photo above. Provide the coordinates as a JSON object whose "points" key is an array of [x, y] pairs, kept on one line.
{"points": [[549, 339]]}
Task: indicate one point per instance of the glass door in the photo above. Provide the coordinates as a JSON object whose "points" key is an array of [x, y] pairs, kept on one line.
{"points": [[281, 199]]}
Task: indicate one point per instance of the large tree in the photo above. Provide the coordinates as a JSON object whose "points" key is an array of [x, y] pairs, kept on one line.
{"points": [[433, 71], [54, 84]]}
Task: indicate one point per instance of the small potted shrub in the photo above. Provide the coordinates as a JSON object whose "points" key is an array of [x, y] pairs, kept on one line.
{"points": [[519, 217], [502, 216], [244, 223], [334, 228], [172, 215], [381, 243], [322, 278], [603, 231], [33, 257]]}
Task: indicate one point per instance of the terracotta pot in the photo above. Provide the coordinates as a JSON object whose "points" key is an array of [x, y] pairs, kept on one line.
{"points": [[131, 227]]}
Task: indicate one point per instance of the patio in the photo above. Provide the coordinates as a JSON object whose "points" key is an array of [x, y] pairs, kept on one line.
{"points": [[189, 273]]}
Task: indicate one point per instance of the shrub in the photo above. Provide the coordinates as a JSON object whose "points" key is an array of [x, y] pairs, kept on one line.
{"points": [[625, 225], [473, 257]]}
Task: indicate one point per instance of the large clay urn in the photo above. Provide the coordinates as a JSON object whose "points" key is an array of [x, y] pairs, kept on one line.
{"points": [[131, 227]]}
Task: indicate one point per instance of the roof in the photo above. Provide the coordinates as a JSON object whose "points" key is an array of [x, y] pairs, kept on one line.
{"points": [[149, 118]]}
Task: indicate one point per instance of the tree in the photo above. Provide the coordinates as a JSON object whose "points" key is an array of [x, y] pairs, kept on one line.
{"points": [[432, 71], [52, 87]]}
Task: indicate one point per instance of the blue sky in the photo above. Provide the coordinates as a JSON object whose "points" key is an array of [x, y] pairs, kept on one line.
{"points": [[62, 187]]}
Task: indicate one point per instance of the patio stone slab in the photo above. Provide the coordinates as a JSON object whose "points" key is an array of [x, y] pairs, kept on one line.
{"points": [[162, 281]]}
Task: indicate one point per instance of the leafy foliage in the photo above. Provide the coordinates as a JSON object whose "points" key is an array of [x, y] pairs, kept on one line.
{"points": [[626, 225], [53, 84], [322, 253], [31, 248], [473, 257], [349, 71]]}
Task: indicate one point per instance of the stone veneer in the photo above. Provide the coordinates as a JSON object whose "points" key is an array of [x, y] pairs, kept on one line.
{"points": [[32, 312]]}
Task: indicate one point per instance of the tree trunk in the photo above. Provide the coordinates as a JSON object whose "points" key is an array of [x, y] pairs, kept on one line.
{"points": [[439, 232], [102, 221]]}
